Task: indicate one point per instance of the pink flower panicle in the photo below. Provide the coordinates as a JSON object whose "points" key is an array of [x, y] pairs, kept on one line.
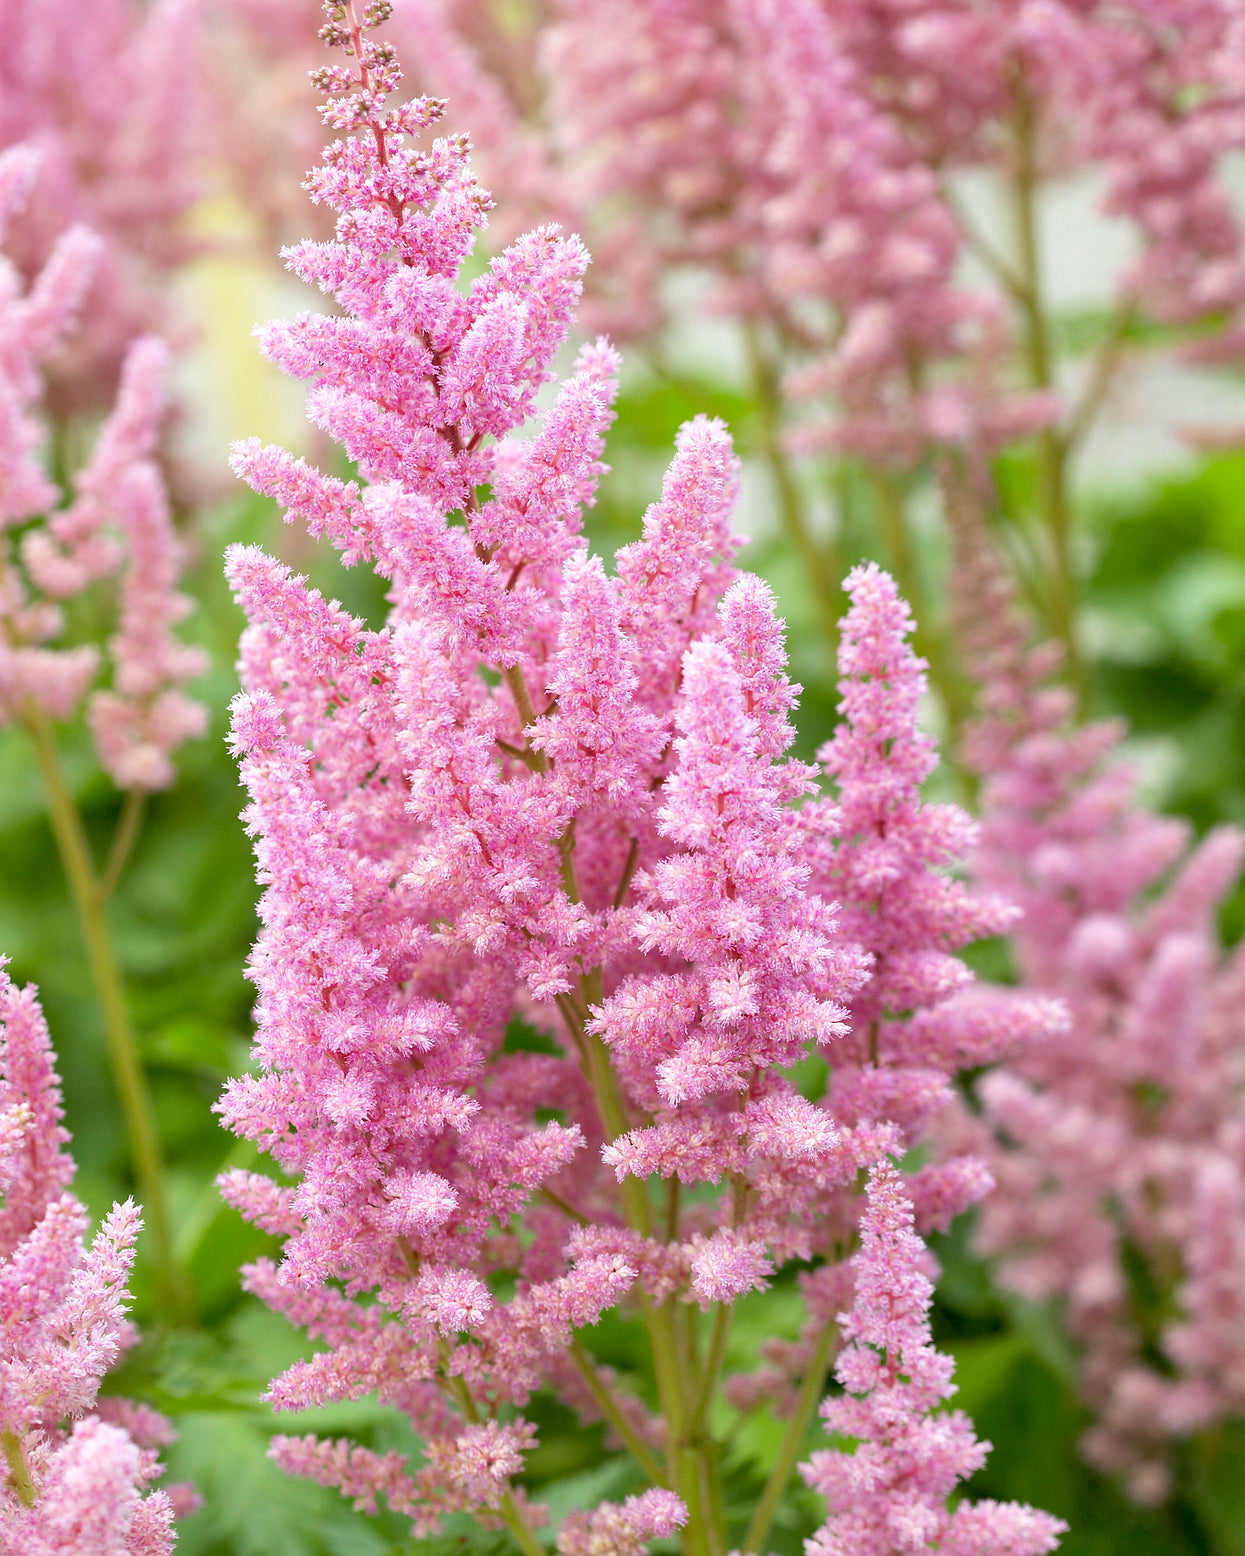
{"points": [[922, 1011], [265, 50], [539, 792], [749, 138], [113, 97], [890, 1492], [884, 856], [117, 523], [77, 1465], [1116, 1136], [614, 1529], [34, 1167]]}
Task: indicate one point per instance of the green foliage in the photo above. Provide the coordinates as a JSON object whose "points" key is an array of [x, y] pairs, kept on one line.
{"points": [[1166, 616]]}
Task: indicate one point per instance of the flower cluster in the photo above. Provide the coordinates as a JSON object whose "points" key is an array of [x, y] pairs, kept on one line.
{"points": [[883, 856], [1119, 1141], [890, 1493], [263, 51], [77, 1465], [117, 526], [111, 95], [545, 926]]}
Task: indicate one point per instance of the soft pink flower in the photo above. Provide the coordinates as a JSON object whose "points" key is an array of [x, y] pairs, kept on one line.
{"points": [[890, 1493], [86, 1461], [117, 523], [545, 791], [1115, 1137]]}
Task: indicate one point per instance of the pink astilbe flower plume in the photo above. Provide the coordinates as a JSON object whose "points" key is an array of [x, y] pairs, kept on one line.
{"points": [[1120, 1139], [890, 1493], [913, 1026], [541, 933], [622, 1530], [76, 1466], [884, 856], [117, 525]]}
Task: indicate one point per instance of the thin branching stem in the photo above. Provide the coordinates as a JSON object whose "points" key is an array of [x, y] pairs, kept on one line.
{"points": [[127, 1069], [19, 1470], [810, 1394], [1108, 356], [122, 842], [1052, 445], [612, 1412], [507, 1507], [819, 561]]}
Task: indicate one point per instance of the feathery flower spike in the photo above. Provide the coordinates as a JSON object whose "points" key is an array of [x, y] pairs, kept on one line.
{"points": [[76, 1466]]}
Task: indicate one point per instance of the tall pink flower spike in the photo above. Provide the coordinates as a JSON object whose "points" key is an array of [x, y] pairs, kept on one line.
{"points": [[76, 1466], [1120, 1139], [889, 1494], [921, 1018], [540, 931], [116, 526]]}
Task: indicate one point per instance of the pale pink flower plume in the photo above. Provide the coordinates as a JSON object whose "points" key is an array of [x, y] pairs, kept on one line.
{"points": [[263, 50], [810, 158], [77, 1466], [889, 1494], [117, 527], [112, 96], [622, 1529], [550, 793], [1120, 1138], [885, 857]]}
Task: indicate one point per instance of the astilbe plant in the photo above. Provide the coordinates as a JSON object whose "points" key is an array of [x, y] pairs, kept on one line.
{"points": [[115, 530], [1120, 1143], [77, 1467], [544, 926]]}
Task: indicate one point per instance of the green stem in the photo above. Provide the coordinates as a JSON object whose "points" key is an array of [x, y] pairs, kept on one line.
{"points": [[810, 1394], [977, 243], [690, 1484], [673, 1196], [894, 526], [628, 871], [194, 1225], [127, 1070], [563, 1205], [714, 1359], [1106, 361], [19, 1470], [711, 1484], [517, 687], [658, 1318], [513, 1520], [1052, 447], [122, 842], [599, 1390], [684, 1456], [820, 564]]}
